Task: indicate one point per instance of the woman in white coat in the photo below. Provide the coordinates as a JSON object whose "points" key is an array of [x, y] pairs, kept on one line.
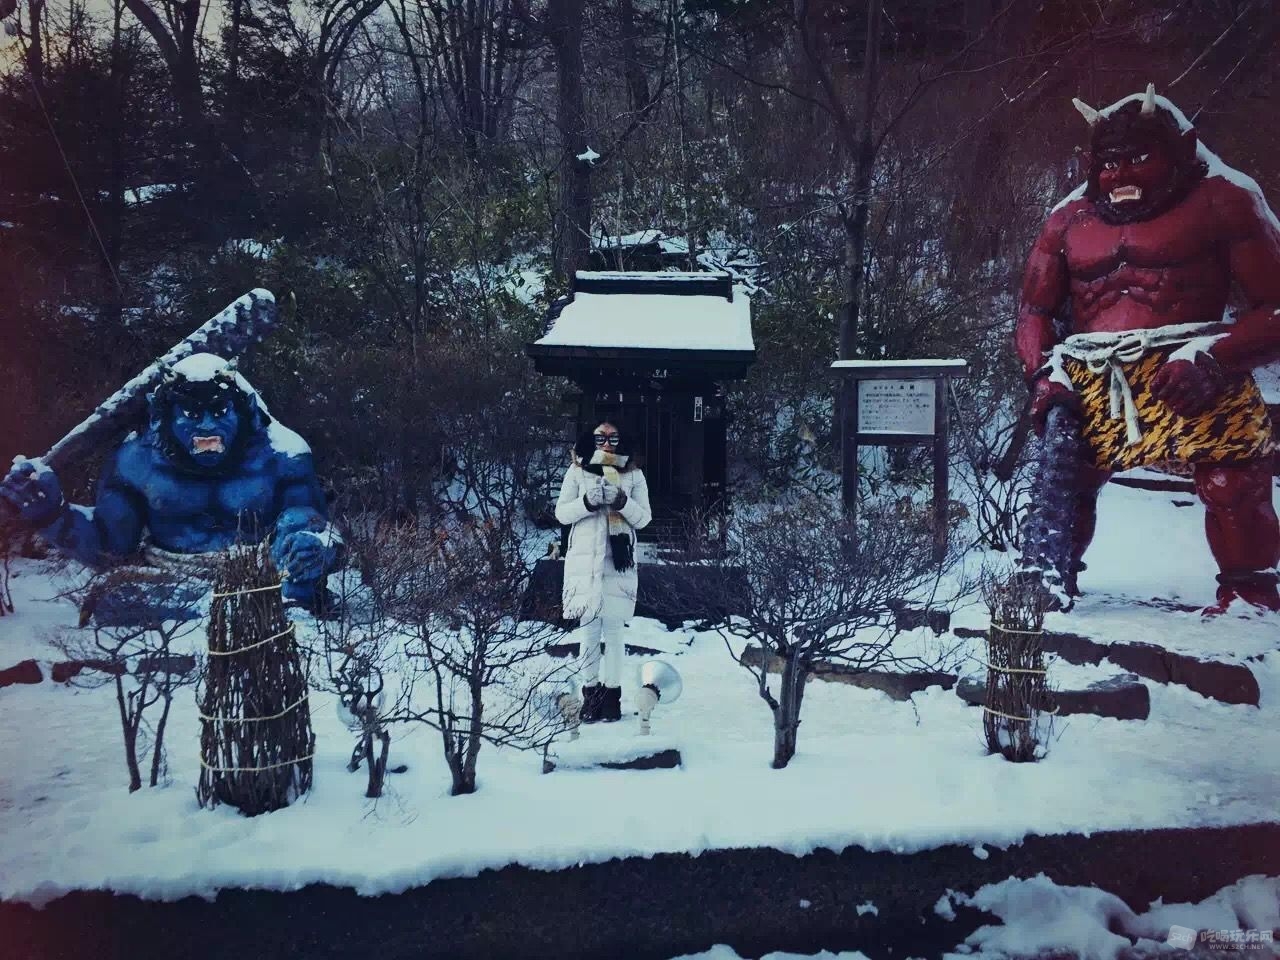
{"points": [[604, 500]]}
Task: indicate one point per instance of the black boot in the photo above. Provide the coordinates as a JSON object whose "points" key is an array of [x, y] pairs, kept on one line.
{"points": [[593, 697], [611, 707]]}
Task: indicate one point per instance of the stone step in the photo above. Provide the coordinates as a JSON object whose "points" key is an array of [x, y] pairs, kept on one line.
{"points": [[63, 671], [27, 671], [1227, 681], [1123, 697], [668, 759], [573, 649], [617, 746], [899, 686]]}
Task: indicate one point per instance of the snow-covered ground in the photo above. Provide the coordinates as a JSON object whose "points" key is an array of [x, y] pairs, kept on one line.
{"points": [[870, 771], [1041, 919]]}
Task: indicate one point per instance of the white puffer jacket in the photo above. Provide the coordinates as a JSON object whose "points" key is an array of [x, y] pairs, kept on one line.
{"points": [[592, 586]]}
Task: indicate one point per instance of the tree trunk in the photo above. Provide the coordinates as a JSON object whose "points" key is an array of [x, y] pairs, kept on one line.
{"points": [[224, 179], [378, 766], [35, 42], [632, 70], [477, 725], [637, 91], [462, 767], [235, 113], [855, 224], [572, 235], [786, 718], [129, 727], [157, 748], [114, 238]]}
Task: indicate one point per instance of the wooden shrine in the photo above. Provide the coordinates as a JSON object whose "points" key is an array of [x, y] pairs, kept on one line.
{"points": [[650, 352]]}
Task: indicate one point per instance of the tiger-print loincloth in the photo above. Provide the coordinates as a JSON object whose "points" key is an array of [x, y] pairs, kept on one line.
{"points": [[1237, 429]]}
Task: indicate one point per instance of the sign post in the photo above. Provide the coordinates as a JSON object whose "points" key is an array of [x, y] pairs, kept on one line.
{"points": [[897, 403]]}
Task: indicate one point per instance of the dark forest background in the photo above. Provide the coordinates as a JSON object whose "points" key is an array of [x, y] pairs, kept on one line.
{"points": [[423, 176]]}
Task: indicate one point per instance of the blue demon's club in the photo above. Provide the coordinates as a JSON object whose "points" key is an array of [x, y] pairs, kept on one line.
{"points": [[211, 470]]}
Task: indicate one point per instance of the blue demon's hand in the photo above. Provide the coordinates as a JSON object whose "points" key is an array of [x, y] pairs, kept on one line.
{"points": [[32, 489], [304, 557]]}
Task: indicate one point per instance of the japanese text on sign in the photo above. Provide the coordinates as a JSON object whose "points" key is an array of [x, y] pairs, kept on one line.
{"points": [[896, 406]]}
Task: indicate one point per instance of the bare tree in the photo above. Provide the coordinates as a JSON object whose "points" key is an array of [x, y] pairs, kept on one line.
{"points": [[6, 593], [815, 589], [357, 650], [474, 671], [474, 54], [174, 26], [146, 660], [992, 432], [572, 234]]}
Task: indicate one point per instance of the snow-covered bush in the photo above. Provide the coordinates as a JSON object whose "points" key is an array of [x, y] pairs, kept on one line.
{"points": [[354, 655], [147, 662], [992, 432], [816, 590], [472, 669]]}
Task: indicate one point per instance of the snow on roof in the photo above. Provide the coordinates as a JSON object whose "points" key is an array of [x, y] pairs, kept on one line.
{"points": [[660, 320], [1217, 166], [651, 276], [642, 238], [636, 239], [878, 364]]}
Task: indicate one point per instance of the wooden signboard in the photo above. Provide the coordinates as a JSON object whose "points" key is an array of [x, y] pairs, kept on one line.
{"points": [[897, 402]]}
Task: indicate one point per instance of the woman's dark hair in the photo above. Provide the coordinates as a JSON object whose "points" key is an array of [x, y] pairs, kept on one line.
{"points": [[585, 448]]}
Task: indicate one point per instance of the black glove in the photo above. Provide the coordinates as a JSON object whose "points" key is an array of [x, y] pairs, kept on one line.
{"points": [[619, 501], [587, 503]]}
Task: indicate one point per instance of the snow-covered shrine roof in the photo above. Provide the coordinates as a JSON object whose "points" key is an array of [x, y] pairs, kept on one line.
{"points": [[684, 324], [653, 311]]}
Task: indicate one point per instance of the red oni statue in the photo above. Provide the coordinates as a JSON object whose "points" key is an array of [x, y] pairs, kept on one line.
{"points": [[1139, 266]]}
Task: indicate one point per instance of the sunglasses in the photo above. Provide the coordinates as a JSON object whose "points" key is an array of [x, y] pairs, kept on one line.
{"points": [[612, 439]]}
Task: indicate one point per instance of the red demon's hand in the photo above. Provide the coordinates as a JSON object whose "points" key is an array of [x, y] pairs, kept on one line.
{"points": [[1047, 394], [1189, 389]]}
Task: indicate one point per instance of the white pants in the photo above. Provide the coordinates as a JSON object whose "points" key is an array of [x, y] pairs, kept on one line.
{"points": [[608, 631]]}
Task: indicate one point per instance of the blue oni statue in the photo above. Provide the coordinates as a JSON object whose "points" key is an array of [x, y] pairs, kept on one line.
{"points": [[212, 469]]}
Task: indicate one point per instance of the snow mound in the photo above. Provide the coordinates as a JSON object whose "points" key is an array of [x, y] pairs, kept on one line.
{"points": [[1041, 918]]}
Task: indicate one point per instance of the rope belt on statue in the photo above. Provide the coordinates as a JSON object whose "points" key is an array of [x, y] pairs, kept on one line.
{"points": [[1108, 352], [275, 636], [269, 766], [275, 716]]}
